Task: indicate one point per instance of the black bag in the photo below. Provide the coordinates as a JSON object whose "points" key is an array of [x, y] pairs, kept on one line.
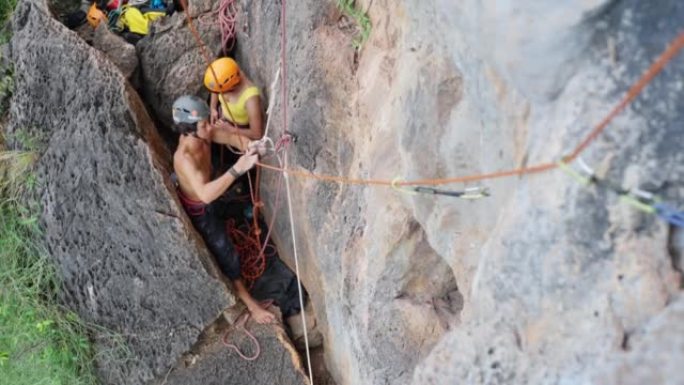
{"points": [[75, 19]]}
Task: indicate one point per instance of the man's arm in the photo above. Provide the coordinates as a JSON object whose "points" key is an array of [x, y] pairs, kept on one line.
{"points": [[210, 191]]}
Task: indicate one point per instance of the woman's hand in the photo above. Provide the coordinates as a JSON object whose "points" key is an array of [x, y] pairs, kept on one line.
{"points": [[226, 126], [214, 116]]}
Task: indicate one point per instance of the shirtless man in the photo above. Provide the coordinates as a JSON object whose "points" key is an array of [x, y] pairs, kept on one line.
{"points": [[198, 193]]}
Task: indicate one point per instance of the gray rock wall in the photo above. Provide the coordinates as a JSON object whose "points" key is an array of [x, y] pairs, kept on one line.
{"points": [[128, 257], [172, 63], [130, 261], [544, 282]]}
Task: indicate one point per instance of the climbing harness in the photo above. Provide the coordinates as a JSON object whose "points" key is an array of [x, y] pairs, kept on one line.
{"points": [[641, 200]]}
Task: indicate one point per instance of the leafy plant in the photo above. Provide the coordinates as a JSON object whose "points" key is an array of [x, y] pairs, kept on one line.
{"points": [[6, 9], [361, 19]]}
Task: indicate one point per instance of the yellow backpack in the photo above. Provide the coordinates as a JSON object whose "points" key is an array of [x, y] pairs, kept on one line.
{"points": [[136, 21]]}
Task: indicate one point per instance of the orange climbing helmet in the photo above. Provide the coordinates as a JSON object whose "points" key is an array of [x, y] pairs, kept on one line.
{"points": [[225, 75], [95, 16]]}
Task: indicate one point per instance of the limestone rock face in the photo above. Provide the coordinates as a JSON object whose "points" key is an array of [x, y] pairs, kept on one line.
{"points": [[210, 360], [128, 256], [544, 282], [541, 283], [172, 63], [654, 352], [118, 50]]}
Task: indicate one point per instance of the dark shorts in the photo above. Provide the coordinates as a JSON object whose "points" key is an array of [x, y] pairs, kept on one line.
{"points": [[209, 222], [278, 282]]}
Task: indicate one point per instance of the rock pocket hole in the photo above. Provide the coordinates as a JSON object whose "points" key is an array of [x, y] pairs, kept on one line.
{"points": [[417, 300]]}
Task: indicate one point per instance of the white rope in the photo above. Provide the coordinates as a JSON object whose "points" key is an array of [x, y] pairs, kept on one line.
{"points": [[270, 102], [299, 282]]}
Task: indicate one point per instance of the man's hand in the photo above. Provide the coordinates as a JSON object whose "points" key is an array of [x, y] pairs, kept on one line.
{"points": [[259, 146], [246, 161], [262, 316]]}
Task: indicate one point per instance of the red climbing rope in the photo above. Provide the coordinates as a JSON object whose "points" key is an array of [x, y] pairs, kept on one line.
{"points": [[252, 252], [248, 247], [240, 325], [227, 16]]}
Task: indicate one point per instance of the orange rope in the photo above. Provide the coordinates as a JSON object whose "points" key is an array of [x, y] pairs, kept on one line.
{"points": [[673, 49], [386, 182], [675, 46], [252, 255]]}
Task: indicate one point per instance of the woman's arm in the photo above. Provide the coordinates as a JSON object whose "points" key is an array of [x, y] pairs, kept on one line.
{"points": [[256, 121], [213, 104]]}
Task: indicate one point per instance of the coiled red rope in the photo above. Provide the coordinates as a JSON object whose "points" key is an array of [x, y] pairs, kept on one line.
{"points": [[247, 243], [227, 19]]}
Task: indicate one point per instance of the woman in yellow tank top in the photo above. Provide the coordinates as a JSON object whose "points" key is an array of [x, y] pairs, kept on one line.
{"points": [[240, 119]]}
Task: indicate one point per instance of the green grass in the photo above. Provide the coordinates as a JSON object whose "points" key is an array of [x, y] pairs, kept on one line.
{"points": [[40, 341], [6, 9], [361, 19]]}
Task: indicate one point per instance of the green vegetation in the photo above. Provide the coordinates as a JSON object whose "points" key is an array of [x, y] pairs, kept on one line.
{"points": [[362, 20], [6, 8], [40, 342]]}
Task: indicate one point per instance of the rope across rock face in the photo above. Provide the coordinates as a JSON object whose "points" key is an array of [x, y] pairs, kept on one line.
{"points": [[656, 68], [674, 48]]}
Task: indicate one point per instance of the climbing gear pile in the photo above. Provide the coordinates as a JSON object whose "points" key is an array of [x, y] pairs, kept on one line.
{"points": [[132, 19]]}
